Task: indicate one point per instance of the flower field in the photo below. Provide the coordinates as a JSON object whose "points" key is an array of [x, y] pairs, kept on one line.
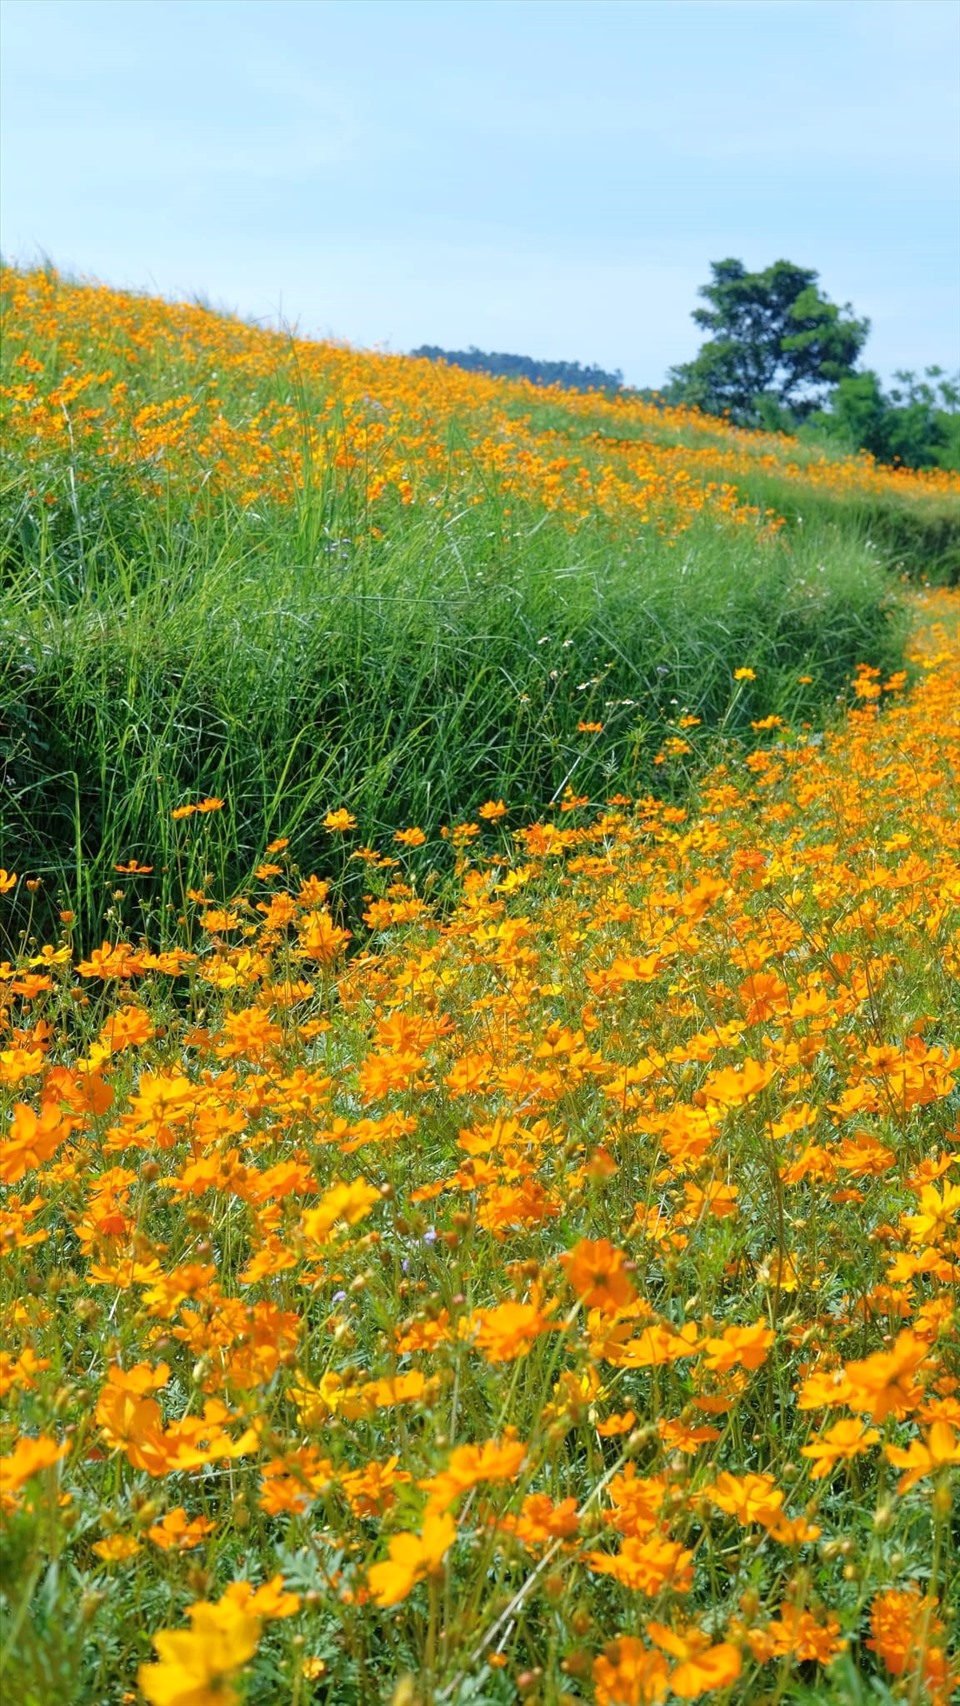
{"points": [[238, 563], [167, 389], [550, 1296]]}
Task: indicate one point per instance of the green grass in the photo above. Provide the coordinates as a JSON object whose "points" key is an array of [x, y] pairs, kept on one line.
{"points": [[156, 650]]}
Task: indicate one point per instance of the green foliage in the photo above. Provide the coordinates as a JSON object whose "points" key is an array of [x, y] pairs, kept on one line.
{"points": [[777, 344], [154, 654], [569, 374], [916, 423]]}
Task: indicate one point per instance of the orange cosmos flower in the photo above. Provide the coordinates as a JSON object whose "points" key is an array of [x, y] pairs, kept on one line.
{"points": [[508, 1330], [411, 1558], [339, 821], [628, 1674], [272, 1600], [903, 1624], [342, 1205], [940, 1450], [846, 1439], [29, 1457], [937, 1211], [321, 939], [471, 1464], [540, 1521], [703, 1667], [117, 1548], [176, 1532], [750, 1498], [32, 1139], [747, 1346], [370, 1491], [885, 1383], [196, 1666], [654, 1346], [646, 1565], [596, 1272]]}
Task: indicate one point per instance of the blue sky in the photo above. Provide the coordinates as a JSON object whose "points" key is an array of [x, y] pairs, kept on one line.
{"points": [[547, 176]]}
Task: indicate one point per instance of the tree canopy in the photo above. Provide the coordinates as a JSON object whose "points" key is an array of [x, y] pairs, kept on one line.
{"points": [[778, 345], [916, 422]]}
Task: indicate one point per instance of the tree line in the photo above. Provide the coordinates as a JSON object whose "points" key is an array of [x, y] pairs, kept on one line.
{"points": [[569, 374], [779, 355]]}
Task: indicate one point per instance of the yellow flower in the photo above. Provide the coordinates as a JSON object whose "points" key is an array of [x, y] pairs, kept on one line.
{"points": [[412, 1556], [342, 1205], [196, 1665], [845, 1439], [117, 1548]]}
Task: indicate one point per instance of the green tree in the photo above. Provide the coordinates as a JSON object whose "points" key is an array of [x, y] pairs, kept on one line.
{"points": [[778, 345], [916, 423]]}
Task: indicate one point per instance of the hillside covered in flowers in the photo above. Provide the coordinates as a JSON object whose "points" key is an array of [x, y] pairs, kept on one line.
{"points": [[554, 1299], [505, 1251]]}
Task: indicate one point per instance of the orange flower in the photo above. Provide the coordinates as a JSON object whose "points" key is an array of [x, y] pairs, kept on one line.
{"points": [[846, 1439], [370, 1491], [646, 1565], [703, 1667], [903, 1626], [746, 1346], [471, 1464], [508, 1330], [175, 1532], [628, 1674], [342, 1205], [597, 1273], [196, 1666], [750, 1498], [411, 1558], [937, 1211], [117, 1548], [272, 1600], [540, 1521], [885, 1383], [339, 821], [32, 1140], [940, 1450], [29, 1457]]}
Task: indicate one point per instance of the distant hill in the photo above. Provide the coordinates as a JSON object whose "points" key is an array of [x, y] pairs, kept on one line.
{"points": [[569, 374]]}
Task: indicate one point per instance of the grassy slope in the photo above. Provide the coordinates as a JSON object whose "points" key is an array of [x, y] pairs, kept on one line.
{"points": [[299, 578], [433, 1222]]}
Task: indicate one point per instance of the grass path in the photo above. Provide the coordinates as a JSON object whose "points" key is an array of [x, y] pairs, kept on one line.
{"points": [[554, 1302]]}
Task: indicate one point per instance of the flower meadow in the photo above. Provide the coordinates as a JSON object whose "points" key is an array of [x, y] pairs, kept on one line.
{"points": [[546, 1292], [238, 563], [179, 390]]}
